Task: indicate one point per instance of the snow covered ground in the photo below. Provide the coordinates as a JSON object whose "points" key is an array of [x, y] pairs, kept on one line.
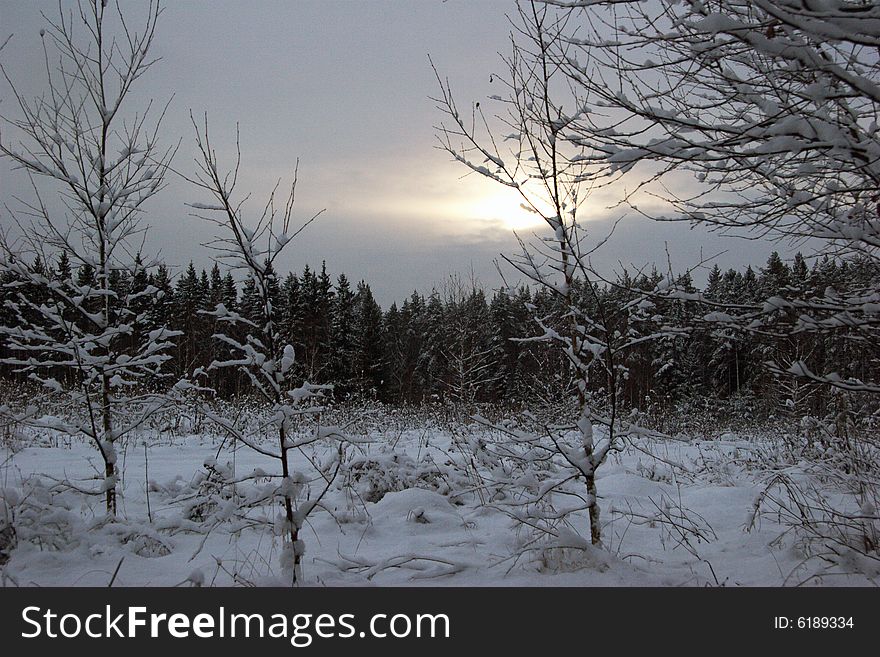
{"points": [[404, 511]]}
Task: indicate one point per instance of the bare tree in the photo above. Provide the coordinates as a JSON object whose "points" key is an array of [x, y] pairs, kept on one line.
{"points": [[552, 174], [469, 358], [762, 116], [258, 350], [105, 165]]}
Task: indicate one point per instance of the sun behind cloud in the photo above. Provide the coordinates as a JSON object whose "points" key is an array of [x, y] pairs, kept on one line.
{"points": [[501, 206], [413, 198]]}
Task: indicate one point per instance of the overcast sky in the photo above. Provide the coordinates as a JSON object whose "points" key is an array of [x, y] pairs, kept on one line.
{"points": [[343, 85]]}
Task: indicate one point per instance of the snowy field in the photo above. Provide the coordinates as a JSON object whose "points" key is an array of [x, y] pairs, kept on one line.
{"points": [[408, 507]]}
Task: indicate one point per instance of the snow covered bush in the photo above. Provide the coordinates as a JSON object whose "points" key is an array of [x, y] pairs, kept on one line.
{"points": [[42, 514], [8, 535], [372, 476], [824, 487], [833, 522]]}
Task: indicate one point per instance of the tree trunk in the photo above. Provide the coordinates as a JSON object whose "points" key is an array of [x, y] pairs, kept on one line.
{"points": [[109, 450], [110, 495], [595, 527], [288, 510]]}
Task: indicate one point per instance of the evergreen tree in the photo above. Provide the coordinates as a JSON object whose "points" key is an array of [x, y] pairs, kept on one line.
{"points": [[161, 311], [465, 348], [140, 300], [215, 287], [411, 357], [230, 292], [294, 313], [188, 301], [314, 330], [434, 362], [63, 271], [800, 275], [750, 286], [714, 284], [393, 339], [775, 276], [342, 341], [369, 354]]}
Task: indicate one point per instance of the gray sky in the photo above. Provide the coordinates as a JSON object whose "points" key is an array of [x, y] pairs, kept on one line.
{"points": [[344, 86]]}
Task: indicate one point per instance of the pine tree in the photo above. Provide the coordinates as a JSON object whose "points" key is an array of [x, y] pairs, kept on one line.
{"points": [[187, 304], [342, 341], [274, 291], [294, 313], [230, 292], [250, 303], [312, 334], [393, 338], [223, 293], [204, 292], [141, 299], [63, 271], [434, 363], [215, 287], [775, 276], [161, 311], [750, 286], [677, 357], [411, 376], [800, 275], [369, 354], [714, 284]]}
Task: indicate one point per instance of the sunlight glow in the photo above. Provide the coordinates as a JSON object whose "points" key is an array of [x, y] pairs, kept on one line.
{"points": [[502, 206], [448, 203]]}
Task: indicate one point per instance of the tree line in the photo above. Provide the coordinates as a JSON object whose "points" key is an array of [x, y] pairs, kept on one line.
{"points": [[461, 344]]}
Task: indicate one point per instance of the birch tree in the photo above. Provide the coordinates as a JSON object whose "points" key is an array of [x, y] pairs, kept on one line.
{"points": [[259, 352], [753, 118], [552, 175], [92, 165], [757, 118]]}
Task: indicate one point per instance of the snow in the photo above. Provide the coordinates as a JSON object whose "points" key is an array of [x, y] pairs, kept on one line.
{"points": [[402, 514]]}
